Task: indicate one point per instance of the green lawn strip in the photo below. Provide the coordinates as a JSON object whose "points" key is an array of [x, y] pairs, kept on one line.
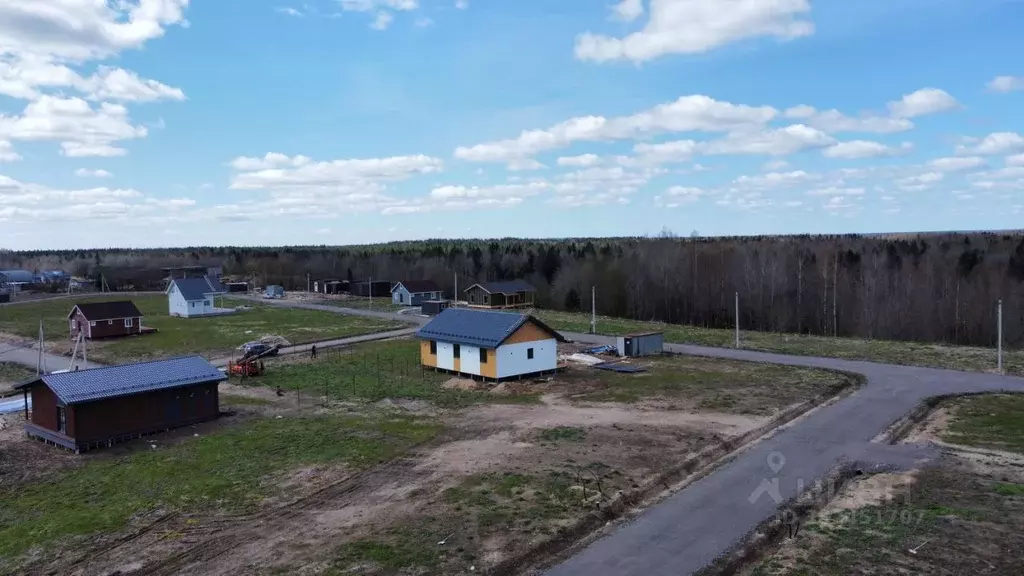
{"points": [[232, 469], [374, 371], [11, 374], [886, 351], [210, 337], [718, 385], [988, 421]]}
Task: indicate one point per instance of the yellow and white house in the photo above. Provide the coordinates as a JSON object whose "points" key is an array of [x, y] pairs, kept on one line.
{"points": [[488, 344]]}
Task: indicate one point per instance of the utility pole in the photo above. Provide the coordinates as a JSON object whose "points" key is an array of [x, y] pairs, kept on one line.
{"points": [[370, 284], [307, 282], [835, 282], [593, 310], [455, 294], [999, 336], [737, 319], [40, 366]]}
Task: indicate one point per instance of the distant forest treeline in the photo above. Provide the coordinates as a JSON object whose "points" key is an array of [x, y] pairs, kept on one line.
{"points": [[929, 287]]}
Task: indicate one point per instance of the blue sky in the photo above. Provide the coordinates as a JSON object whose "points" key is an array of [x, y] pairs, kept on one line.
{"points": [[170, 122]]}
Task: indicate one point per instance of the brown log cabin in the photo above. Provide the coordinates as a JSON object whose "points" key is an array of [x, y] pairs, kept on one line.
{"points": [[498, 295]]}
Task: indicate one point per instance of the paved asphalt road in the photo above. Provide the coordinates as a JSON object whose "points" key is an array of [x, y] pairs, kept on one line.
{"points": [[12, 405], [408, 319], [694, 526], [29, 356]]}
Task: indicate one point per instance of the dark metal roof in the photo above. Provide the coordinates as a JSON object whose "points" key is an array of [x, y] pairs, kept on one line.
{"points": [[127, 379], [483, 328], [418, 286], [107, 310], [509, 287], [197, 288], [18, 275]]}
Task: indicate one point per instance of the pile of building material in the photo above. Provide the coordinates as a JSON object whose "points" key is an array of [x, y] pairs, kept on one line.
{"points": [[275, 340], [619, 367], [578, 358]]}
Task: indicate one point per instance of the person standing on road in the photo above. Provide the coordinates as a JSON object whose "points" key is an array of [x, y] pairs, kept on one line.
{"points": [[312, 352]]}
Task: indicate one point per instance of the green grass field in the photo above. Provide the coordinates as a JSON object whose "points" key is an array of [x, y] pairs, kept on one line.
{"points": [[887, 351], [231, 469], [371, 372], [210, 337], [988, 421], [382, 304], [717, 385], [11, 374]]}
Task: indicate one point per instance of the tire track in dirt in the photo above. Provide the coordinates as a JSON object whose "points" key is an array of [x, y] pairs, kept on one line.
{"points": [[282, 519]]}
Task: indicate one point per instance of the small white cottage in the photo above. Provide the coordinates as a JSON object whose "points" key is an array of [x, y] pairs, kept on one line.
{"points": [[191, 297]]}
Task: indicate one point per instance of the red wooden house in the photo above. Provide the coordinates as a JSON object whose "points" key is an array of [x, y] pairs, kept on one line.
{"points": [[89, 408], [105, 319]]}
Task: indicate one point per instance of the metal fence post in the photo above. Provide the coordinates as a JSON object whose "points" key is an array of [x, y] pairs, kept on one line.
{"points": [[999, 336], [737, 319]]}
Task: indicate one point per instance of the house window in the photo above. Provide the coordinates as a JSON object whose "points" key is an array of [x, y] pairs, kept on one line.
{"points": [[456, 351], [483, 356], [62, 420], [433, 348], [127, 322], [486, 298], [206, 302], [529, 353]]}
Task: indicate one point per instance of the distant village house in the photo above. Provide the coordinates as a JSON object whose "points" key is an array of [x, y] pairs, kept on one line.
{"points": [[511, 294], [415, 292], [105, 319], [192, 297]]}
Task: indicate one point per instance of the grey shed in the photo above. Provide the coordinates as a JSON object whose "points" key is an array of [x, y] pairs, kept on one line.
{"points": [[642, 344]]}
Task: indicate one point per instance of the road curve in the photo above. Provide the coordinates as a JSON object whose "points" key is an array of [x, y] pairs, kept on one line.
{"points": [[691, 528]]}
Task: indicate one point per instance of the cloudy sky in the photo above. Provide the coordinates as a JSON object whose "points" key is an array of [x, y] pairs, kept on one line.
{"points": [[255, 122]]}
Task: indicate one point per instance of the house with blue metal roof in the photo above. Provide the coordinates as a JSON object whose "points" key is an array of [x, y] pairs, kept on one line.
{"points": [[85, 409], [488, 344], [191, 297]]}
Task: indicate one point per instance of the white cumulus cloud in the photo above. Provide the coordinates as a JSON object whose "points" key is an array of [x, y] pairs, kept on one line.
{"points": [[956, 163], [1005, 84], [628, 10], [696, 26], [583, 160], [856, 149], [7, 152], [922, 102], [688, 113], [995, 143], [87, 173]]}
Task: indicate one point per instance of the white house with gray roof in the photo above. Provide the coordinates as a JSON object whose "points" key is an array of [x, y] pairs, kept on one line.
{"points": [[192, 297]]}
